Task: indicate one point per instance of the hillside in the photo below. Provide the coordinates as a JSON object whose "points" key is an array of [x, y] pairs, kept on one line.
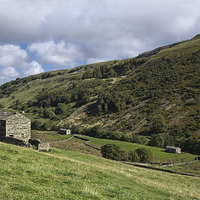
{"points": [[28, 174], [157, 92]]}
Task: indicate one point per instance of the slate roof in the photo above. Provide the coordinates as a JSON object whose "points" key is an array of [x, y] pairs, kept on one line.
{"points": [[5, 115], [171, 147]]}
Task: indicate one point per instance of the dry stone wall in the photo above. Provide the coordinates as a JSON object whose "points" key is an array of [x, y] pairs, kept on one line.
{"points": [[18, 126], [43, 146]]}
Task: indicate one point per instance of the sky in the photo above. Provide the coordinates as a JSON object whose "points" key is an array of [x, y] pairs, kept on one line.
{"points": [[46, 35]]}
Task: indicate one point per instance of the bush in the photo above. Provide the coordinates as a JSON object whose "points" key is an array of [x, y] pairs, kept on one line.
{"points": [[111, 151], [60, 108], [146, 156], [158, 125], [36, 125], [75, 129], [161, 140], [133, 156], [1, 105]]}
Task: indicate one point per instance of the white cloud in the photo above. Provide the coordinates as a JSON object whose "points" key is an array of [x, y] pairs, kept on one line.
{"points": [[62, 32], [4, 79], [59, 54], [33, 68], [9, 72], [12, 56]]}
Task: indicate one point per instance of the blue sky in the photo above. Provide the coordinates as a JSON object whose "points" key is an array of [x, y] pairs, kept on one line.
{"points": [[45, 35]]}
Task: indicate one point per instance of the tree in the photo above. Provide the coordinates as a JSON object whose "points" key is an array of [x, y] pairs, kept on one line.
{"points": [[97, 131], [158, 125], [30, 103], [111, 151], [145, 155], [75, 129], [60, 108], [133, 156], [97, 73], [36, 125], [124, 155], [24, 107], [17, 102]]}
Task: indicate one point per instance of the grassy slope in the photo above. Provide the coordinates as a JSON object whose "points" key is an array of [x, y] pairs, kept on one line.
{"points": [[28, 174], [159, 153], [76, 145]]}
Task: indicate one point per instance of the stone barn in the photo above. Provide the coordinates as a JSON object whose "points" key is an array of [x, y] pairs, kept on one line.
{"points": [[65, 131], [14, 125], [171, 149]]}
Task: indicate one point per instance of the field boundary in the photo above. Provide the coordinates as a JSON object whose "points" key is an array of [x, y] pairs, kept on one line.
{"points": [[159, 169], [62, 140], [136, 164], [87, 141]]}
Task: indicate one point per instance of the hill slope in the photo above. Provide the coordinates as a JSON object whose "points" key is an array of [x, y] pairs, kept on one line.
{"points": [[122, 95], [28, 174]]}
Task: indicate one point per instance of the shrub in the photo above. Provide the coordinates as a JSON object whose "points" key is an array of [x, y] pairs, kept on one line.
{"points": [[145, 155], [133, 156], [158, 125], [1, 105], [111, 151], [36, 125]]}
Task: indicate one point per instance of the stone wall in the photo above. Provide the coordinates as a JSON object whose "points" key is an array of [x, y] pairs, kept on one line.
{"points": [[43, 146], [176, 164], [18, 142], [39, 144], [18, 126], [34, 142], [160, 169]]}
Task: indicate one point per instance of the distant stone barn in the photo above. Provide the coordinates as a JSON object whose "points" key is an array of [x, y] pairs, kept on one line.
{"points": [[171, 149], [65, 131], [14, 125]]}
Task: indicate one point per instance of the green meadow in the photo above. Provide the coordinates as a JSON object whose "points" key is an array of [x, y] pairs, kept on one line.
{"points": [[159, 153], [58, 174]]}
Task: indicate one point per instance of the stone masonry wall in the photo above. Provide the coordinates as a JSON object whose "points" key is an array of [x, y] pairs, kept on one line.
{"points": [[43, 146], [18, 126]]}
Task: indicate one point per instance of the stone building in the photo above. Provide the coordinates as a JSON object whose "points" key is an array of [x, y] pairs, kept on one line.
{"points": [[65, 131], [171, 149], [14, 125]]}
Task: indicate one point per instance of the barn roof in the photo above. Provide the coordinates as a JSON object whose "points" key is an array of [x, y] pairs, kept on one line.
{"points": [[5, 115], [171, 147]]}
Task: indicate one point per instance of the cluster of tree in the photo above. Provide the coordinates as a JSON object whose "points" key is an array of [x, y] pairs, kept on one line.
{"points": [[162, 136], [105, 71], [43, 125], [190, 145], [60, 97], [99, 132], [113, 102], [100, 72], [112, 151], [161, 140], [150, 82]]}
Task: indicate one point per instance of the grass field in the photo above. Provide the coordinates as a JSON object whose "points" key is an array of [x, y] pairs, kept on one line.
{"points": [[58, 174], [189, 169], [77, 145], [160, 154]]}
